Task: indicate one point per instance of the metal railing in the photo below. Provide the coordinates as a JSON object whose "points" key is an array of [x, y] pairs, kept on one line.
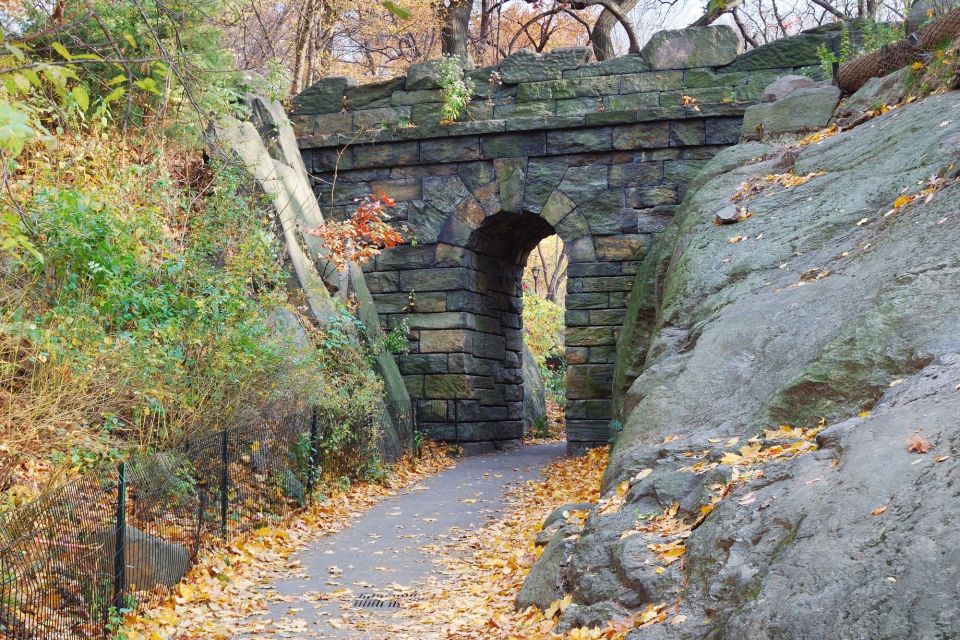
{"points": [[120, 537]]}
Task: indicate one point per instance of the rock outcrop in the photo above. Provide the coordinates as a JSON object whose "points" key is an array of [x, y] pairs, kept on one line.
{"points": [[832, 304], [267, 148]]}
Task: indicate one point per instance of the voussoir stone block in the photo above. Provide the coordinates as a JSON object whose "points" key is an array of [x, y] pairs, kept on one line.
{"points": [[712, 46]]}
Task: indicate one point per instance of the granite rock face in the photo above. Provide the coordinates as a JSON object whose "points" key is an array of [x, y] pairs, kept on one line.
{"points": [[828, 311]]}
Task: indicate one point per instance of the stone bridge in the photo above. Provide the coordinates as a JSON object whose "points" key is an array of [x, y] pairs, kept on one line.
{"points": [[598, 153]]}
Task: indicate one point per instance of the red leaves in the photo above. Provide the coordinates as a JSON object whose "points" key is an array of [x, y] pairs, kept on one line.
{"points": [[918, 444], [362, 236]]}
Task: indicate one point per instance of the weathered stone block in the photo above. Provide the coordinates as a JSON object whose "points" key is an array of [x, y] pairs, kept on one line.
{"points": [[622, 247], [414, 385], [567, 88], [609, 283], [641, 136], [451, 386], [524, 109], [581, 250], [573, 226], [374, 94], [527, 66], [631, 101], [557, 206], [701, 78], [543, 176], [634, 174], [510, 174], [613, 317], [578, 106], [443, 320], [722, 130], [686, 133], [450, 149], [445, 341], [582, 269], [681, 172], [651, 81], [590, 336], [796, 51], [603, 212], [419, 363], [324, 96], [513, 145], [610, 117], [426, 75], [321, 124], [711, 46], [399, 190], [410, 98], [426, 302], [605, 354], [444, 193], [579, 141], [577, 318], [587, 301], [432, 279], [591, 433], [382, 281], [405, 257], [380, 118], [577, 355], [589, 381], [616, 66], [643, 197], [385, 154]]}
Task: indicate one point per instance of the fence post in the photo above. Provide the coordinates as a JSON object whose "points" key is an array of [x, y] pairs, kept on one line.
{"points": [[224, 482], [201, 509], [312, 468], [119, 540]]}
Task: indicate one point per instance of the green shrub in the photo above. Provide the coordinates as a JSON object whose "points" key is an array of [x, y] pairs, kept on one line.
{"points": [[456, 91]]}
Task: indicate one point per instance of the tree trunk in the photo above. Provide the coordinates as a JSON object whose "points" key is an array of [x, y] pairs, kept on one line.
{"points": [[602, 34], [453, 33]]}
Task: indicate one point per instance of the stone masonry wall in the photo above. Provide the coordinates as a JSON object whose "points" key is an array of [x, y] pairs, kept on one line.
{"points": [[599, 153]]}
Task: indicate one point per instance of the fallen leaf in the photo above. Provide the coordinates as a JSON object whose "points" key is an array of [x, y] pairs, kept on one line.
{"points": [[878, 510], [918, 444], [736, 239]]}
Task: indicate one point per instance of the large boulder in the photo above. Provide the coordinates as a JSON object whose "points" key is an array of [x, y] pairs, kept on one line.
{"points": [[150, 561], [712, 46], [875, 94], [828, 307], [800, 111]]}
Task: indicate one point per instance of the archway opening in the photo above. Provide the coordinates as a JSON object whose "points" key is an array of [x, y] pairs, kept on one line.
{"points": [[519, 272], [544, 294]]}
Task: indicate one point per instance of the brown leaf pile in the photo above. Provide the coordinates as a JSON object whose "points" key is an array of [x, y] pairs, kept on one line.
{"points": [[215, 599]]}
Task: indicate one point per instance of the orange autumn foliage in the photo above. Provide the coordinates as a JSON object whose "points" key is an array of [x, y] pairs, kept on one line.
{"points": [[363, 235]]}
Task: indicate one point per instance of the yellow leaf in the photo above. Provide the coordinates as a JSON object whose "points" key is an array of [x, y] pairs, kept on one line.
{"points": [[902, 201]]}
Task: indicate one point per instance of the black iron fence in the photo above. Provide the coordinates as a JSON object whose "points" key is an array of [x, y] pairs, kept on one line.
{"points": [[119, 538]]}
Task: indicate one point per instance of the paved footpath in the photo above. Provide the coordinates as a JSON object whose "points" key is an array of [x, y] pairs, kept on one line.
{"points": [[382, 551]]}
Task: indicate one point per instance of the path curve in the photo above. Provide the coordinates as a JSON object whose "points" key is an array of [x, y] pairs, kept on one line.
{"points": [[381, 552]]}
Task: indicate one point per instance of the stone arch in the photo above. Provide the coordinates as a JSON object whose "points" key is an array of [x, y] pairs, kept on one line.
{"points": [[601, 152], [459, 288]]}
